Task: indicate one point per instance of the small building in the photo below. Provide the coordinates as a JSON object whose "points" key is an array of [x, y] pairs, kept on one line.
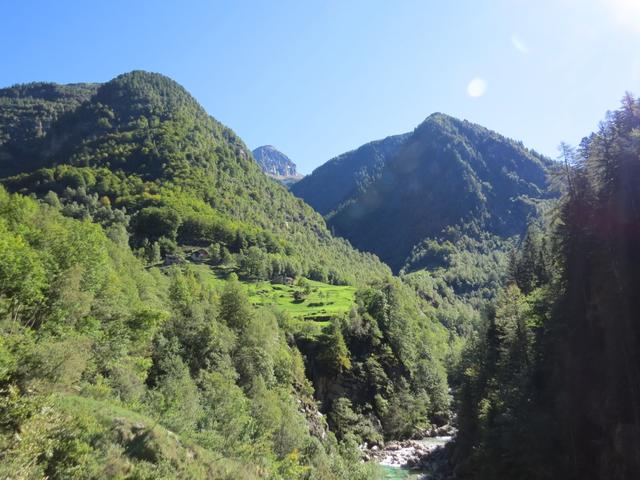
{"points": [[199, 255], [284, 280]]}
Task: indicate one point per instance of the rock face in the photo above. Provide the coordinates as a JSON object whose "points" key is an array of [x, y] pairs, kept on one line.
{"points": [[276, 164]]}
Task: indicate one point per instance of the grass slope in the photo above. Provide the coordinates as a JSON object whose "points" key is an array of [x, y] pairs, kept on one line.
{"points": [[145, 443], [309, 315]]}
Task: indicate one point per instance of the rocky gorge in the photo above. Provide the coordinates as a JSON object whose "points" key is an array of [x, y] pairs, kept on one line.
{"points": [[425, 457]]}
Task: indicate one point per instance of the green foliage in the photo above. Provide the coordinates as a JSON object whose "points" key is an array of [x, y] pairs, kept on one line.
{"points": [[254, 264], [457, 275], [175, 399], [154, 223], [548, 388], [389, 196], [350, 424], [27, 113], [122, 355], [110, 369], [334, 183], [406, 413], [335, 353]]}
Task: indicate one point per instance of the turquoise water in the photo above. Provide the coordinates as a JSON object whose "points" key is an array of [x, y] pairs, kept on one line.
{"points": [[391, 473], [394, 473]]}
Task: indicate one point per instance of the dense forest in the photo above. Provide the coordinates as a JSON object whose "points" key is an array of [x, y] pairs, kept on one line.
{"points": [[28, 111], [548, 388], [447, 179], [340, 179], [168, 311]]}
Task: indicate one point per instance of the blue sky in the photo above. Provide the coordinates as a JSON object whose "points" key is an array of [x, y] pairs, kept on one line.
{"points": [[317, 78]]}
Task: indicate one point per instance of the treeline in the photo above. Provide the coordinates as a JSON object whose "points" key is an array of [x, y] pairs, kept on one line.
{"points": [[549, 388]]}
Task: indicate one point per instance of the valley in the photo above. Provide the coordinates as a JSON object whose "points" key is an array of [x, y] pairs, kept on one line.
{"points": [[168, 310]]}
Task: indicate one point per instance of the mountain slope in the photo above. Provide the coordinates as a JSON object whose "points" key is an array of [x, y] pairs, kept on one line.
{"points": [[142, 142], [341, 178], [28, 111], [276, 164], [446, 174], [134, 231]]}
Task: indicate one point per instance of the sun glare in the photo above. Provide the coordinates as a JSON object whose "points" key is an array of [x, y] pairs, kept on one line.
{"points": [[627, 12], [477, 87]]}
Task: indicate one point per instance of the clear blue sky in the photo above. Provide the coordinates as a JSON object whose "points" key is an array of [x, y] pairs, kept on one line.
{"points": [[317, 78]]}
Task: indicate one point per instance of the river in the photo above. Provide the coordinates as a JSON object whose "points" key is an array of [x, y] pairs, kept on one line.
{"points": [[395, 458]]}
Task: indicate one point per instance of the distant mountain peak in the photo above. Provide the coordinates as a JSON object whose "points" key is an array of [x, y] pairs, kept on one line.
{"points": [[276, 164]]}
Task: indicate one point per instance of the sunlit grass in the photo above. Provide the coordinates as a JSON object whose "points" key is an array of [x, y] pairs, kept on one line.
{"points": [[309, 315]]}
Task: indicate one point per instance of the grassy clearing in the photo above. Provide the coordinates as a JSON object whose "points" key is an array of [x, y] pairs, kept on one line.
{"points": [[101, 411], [323, 302], [310, 314]]}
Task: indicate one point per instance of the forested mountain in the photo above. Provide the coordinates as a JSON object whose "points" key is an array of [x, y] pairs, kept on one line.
{"points": [[168, 311], [28, 111], [342, 178], [139, 135], [391, 196], [549, 389], [276, 164]]}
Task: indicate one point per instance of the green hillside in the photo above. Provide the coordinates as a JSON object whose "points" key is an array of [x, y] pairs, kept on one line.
{"points": [[168, 311], [27, 113], [311, 305], [146, 147], [344, 177], [447, 175]]}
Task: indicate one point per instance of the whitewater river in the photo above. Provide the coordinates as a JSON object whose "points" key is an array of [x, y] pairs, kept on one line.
{"points": [[394, 458]]}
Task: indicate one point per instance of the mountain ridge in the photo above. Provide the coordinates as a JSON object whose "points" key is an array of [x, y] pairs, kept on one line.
{"points": [[394, 199], [147, 125]]}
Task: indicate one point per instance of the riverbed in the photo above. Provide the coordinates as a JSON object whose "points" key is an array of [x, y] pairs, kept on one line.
{"points": [[397, 458]]}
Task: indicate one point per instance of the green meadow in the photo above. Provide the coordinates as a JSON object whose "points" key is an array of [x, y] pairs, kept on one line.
{"points": [[311, 313]]}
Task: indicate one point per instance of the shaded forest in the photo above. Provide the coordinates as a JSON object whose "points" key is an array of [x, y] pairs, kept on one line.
{"points": [[549, 387]]}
